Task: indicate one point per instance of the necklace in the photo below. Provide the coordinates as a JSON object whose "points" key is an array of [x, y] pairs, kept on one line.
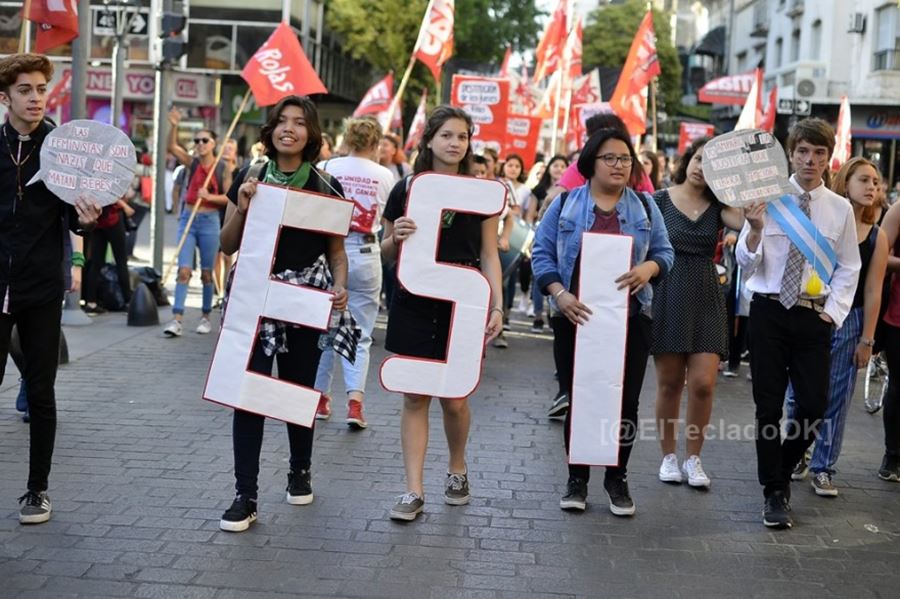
{"points": [[18, 160]]}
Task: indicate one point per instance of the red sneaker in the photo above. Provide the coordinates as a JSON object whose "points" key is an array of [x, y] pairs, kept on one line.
{"points": [[323, 411], [355, 418]]}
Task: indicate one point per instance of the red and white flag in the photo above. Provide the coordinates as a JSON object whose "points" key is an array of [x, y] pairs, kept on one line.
{"points": [[434, 46], [730, 89], [504, 67], [395, 123], [417, 127], [57, 23], [629, 100], [280, 68], [572, 52], [521, 95], [378, 98], [549, 53], [586, 89], [751, 114], [60, 93], [843, 147], [768, 118]]}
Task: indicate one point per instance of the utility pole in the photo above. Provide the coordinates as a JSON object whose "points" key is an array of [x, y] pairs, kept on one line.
{"points": [[80, 47]]}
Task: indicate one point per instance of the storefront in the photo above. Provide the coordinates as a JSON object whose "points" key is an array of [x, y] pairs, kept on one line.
{"points": [[876, 135]]}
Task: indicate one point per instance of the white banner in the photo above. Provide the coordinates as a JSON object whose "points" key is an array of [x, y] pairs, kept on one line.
{"points": [[256, 295], [599, 369], [420, 273]]}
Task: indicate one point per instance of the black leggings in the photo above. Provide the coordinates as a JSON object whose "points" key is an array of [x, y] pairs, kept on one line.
{"points": [[892, 399], [299, 366], [637, 351]]}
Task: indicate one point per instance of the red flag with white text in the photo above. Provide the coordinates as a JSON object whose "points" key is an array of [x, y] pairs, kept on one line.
{"points": [[57, 23], [689, 132], [522, 132], [417, 127], [549, 53], [435, 44], [378, 98], [730, 89], [280, 68], [572, 51], [629, 100]]}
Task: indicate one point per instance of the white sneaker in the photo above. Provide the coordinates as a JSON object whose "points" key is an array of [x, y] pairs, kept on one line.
{"points": [[693, 470], [173, 329], [668, 470], [523, 304], [205, 326]]}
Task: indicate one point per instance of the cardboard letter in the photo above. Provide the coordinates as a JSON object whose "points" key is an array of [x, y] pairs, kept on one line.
{"points": [[599, 369], [255, 295], [421, 274]]}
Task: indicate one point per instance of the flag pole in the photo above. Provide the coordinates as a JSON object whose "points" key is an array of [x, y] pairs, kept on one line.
{"points": [[23, 34], [209, 175], [412, 62], [653, 112]]}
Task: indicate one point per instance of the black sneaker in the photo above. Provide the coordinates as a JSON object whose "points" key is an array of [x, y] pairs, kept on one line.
{"points": [[620, 501], [299, 488], [456, 488], [240, 515], [537, 326], [890, 469], [801, 470], [35, 509], [560, 406], [506, 326], [776, 513], [576, 495]]}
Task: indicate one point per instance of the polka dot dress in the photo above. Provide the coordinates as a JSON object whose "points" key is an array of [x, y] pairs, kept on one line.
{"points": [[688, 304]]}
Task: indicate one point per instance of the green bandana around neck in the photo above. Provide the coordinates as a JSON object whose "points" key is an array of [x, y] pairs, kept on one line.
{"points": [[295, 180]]}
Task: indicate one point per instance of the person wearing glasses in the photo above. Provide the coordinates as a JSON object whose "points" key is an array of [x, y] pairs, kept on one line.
{"points": [[204, 231], [604, 204]]}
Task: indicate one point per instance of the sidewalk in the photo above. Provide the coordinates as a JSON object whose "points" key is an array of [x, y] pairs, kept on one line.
{"points": [[143, 471]]}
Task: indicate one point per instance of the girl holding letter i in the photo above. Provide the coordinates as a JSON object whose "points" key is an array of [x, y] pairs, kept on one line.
{"points": [[292, 139], [420, 326], [604, 204]]}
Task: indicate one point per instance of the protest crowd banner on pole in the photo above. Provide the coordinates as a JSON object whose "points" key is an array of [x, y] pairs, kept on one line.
{"points": [[486, 100]]}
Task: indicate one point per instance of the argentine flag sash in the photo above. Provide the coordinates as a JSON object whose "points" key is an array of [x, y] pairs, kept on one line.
{"points": [[804, 235]]}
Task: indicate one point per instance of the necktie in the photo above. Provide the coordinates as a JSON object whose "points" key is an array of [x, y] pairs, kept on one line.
{"points": [[793, 270]]}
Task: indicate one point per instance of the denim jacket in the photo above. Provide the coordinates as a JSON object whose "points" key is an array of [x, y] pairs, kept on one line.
{"points": [[557, 242]]}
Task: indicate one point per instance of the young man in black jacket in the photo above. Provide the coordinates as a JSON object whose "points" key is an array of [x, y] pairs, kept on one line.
{"points": [[32, 224]]}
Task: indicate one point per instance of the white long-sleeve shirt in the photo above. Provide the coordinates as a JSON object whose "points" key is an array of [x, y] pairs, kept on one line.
{"points": [[833, 217]]}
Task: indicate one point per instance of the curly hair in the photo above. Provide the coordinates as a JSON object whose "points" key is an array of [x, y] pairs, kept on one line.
{"points": [[15, 64], [313, 129], [362, 134]]}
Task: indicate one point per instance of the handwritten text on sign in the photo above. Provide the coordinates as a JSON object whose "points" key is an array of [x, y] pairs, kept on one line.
{"points": [[744, 167], [87, 159]]}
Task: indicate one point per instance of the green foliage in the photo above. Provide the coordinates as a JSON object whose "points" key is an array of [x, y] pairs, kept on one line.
{"points": [[607, 39]]}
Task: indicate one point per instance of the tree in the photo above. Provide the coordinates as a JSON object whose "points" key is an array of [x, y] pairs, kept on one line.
{"points": [[607, 39], [383, 32]]}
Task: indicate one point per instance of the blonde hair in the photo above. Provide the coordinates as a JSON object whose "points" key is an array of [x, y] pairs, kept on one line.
{"points": [[361, 134], [842, 180]]}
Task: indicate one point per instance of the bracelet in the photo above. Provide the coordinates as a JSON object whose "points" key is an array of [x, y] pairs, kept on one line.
{"points": [[77, 259], [559, 293], [867, 342], [500, 310]]}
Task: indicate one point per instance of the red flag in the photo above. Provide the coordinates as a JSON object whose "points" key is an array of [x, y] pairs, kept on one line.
{"points": [[629, 100], [520, 94], [572, 51], [60, 93], [843, 147], [435, 44], [57, 22], [730, 89], [768, 118], [549, 53], [586, 89], [504, 68], [689, 132], [395, 123], [280, 68], [417, 127], [378, 98]]}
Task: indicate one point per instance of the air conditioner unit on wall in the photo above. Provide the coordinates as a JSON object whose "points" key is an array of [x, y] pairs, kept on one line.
{"points": [[857, 23], [809, 88]]}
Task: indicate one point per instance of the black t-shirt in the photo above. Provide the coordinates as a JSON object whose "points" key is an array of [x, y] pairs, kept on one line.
{"points": [[460, 236], [297, 248]]}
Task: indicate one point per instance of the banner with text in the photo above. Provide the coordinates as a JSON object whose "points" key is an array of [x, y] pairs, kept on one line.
{"points": [[522, 132], [486, 99]]}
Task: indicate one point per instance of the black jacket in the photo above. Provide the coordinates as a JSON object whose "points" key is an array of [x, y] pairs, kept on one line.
{"points": [[31, 229]]}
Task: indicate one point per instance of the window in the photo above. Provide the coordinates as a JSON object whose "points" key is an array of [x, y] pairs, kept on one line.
{"points": [[815, 40], [887, 43], [795, 45], [741, 62], [779, 48]]}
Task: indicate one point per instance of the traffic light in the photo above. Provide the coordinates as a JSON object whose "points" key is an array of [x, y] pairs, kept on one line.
{"points": [[174, 38]]}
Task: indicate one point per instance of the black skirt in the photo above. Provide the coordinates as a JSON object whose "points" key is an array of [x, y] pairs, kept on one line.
{"points": [[418, 326]]}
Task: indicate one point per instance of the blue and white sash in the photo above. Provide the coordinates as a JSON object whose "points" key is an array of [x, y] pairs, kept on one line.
{"points": [[804, 235]]}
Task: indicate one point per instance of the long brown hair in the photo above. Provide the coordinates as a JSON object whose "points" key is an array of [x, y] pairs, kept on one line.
{"points": [[842, 180], [439, 116]]}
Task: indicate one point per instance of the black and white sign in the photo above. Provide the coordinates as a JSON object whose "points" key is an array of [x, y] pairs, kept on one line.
{"points": [[798, 107], [746, 166], [106, 22]]}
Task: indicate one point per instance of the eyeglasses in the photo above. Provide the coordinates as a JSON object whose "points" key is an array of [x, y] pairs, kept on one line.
{"points": [[202, 140], [611, 160]]}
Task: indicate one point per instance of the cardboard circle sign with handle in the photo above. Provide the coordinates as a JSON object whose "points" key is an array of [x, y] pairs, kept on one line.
{"points": [[87, 159], [746, 167]]}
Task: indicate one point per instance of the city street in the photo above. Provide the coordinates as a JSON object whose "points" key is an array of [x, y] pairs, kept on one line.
{"points": [[143, 471]]}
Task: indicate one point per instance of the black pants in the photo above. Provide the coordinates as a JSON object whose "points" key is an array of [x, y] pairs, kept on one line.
{"points": [[892, 399], [737, 326], [39, 336], [140, 212], [299, 366], [637, 351], [787, 345], [115, 237]]}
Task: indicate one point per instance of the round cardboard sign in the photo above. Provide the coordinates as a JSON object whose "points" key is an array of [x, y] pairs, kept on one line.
{"points": [[87, 159], [746, 167]]}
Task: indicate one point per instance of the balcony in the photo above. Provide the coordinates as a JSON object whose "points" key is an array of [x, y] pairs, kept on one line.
{"points": [[794, 8], [760, 19], [886, 60]]}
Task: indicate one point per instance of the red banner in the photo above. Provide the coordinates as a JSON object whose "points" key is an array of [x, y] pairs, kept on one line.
{"points": [[417, 127], [690, 132], [280, 68], [629, 100], [57, 23], [549, 53], [435, 43], [378, 98], [486, 99], [731, 89], [522, 132]]}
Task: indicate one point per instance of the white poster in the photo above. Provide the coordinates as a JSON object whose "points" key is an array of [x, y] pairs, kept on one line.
{"points": [[420, 273], [256, 295], [599, 369]]}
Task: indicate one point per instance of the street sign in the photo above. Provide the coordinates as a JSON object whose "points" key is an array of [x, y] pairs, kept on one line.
{"points": [[106, 23], [797, 107], [803, 107]]}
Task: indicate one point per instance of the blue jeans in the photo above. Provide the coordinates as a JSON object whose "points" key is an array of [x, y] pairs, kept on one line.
{"points": [[204, 234], [363, 288]]}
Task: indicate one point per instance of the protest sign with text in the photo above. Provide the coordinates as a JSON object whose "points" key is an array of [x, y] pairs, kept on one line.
{"points": [[522, 133], [486, 99], [746, 166]]}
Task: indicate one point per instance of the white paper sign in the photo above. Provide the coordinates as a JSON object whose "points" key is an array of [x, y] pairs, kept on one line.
{"points": [[255, 294], [419, 272], [745, 167], [599, 369], [87, 159]]}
